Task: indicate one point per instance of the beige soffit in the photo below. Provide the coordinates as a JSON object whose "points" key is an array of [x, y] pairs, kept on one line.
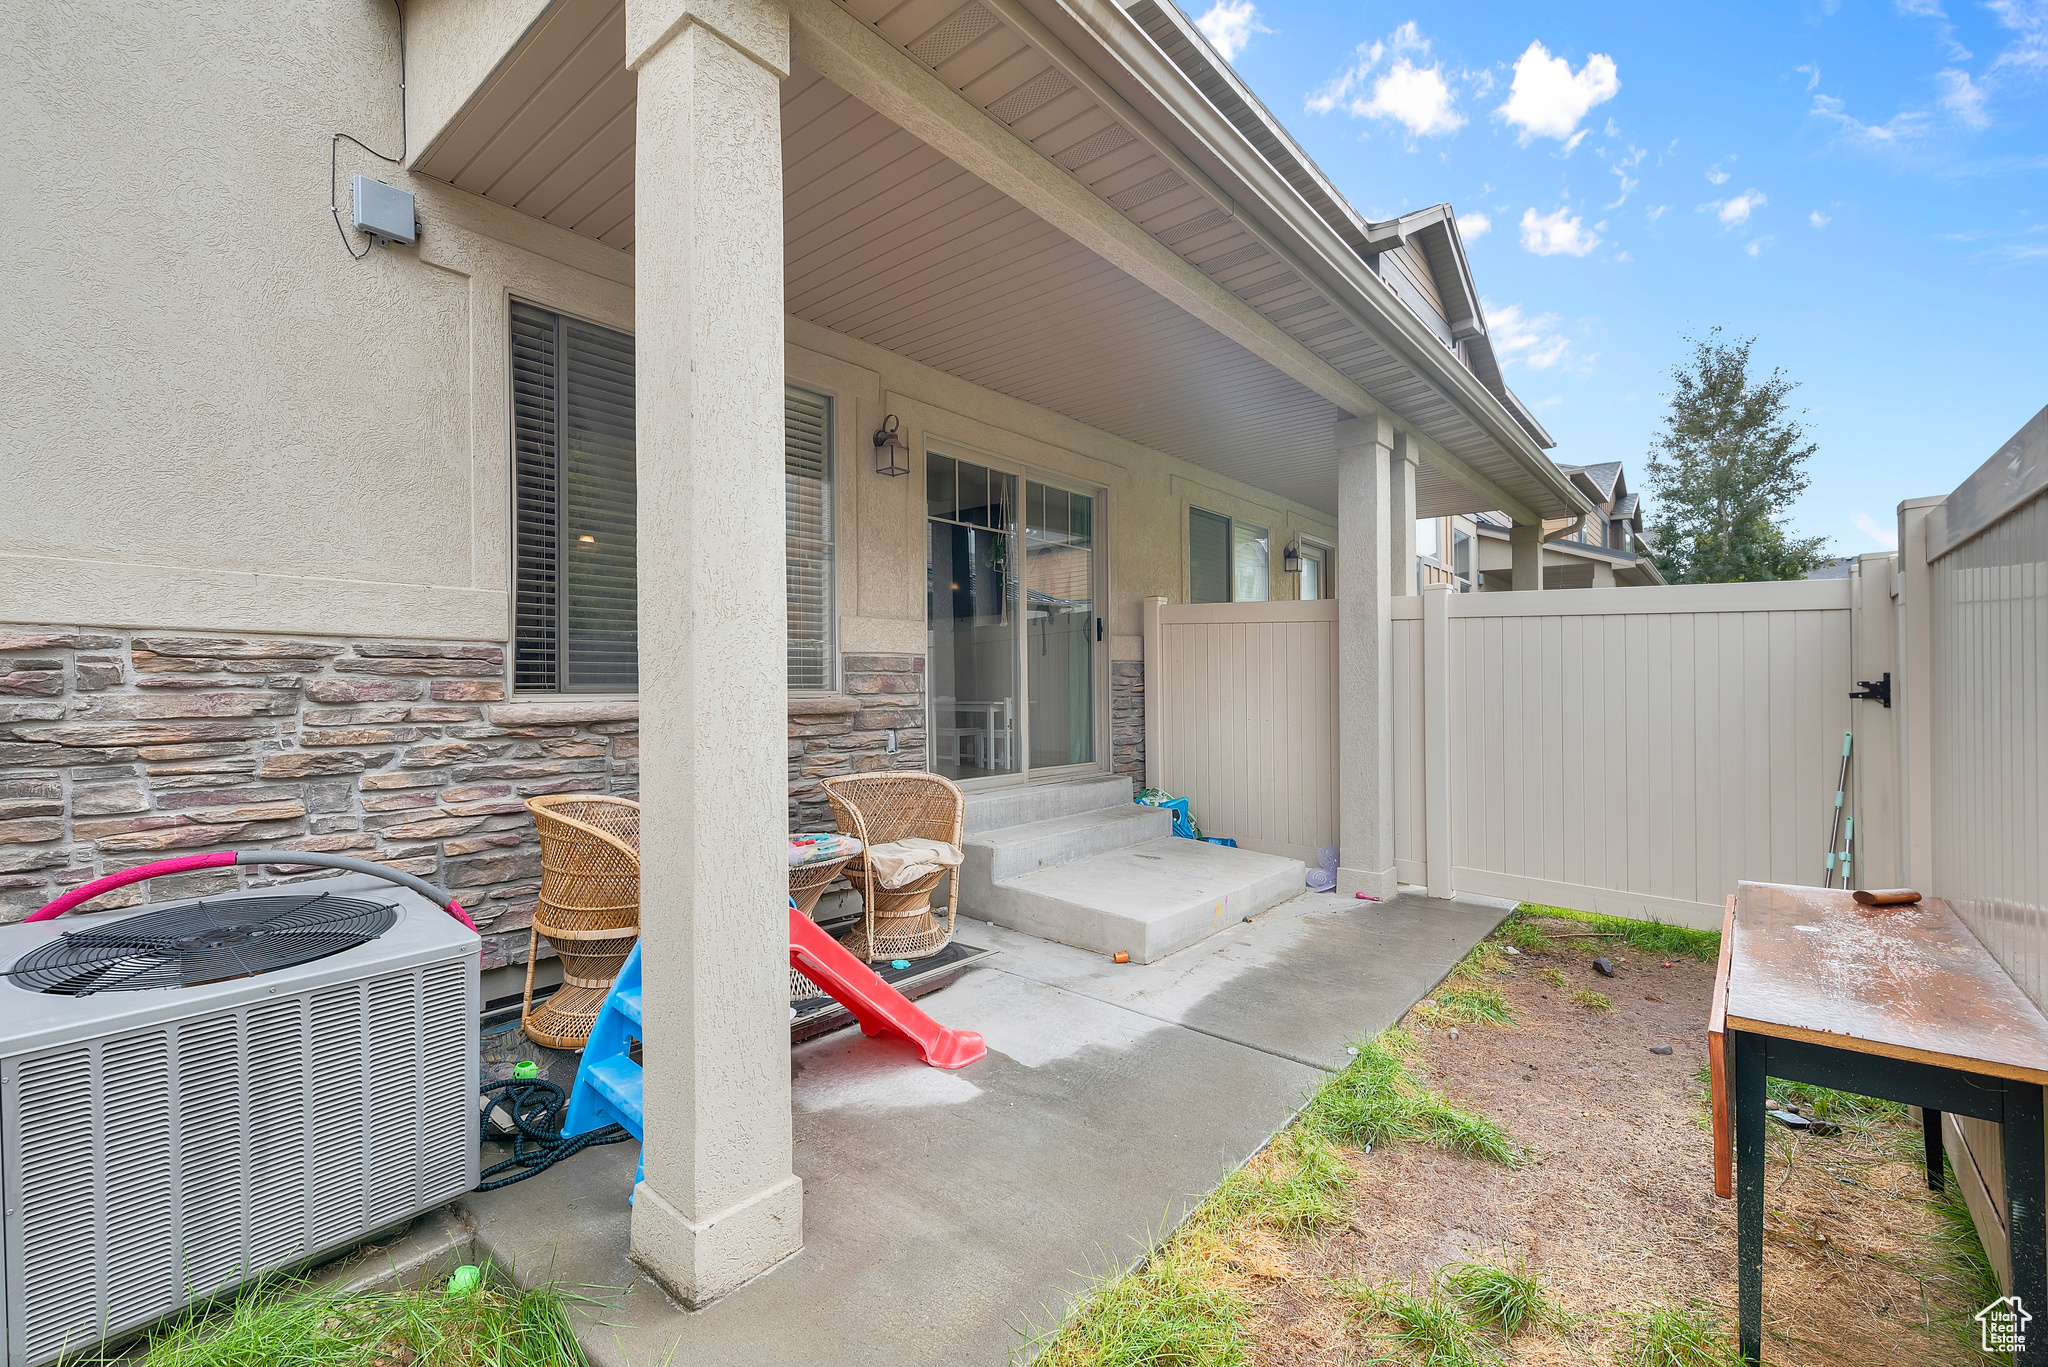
{"points": [[1393, 353], [551, 134]]}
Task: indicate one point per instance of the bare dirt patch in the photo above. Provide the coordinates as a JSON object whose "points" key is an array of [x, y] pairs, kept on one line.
{"points": [[1615, 1210]]}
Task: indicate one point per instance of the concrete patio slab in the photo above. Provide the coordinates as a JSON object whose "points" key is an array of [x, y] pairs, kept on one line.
{"points": [[946, 1212]]}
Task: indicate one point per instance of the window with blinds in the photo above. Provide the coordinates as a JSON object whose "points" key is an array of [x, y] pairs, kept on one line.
{"points": [[807, 521], [1228, 560], [576, 600], [1208, 557]]}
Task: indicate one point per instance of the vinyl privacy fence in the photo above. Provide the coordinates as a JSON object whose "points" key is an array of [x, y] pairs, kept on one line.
{"points": [[1633, 751]]}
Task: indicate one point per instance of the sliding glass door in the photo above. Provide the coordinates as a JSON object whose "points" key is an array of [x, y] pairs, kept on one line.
{"points": [[1013, 662]]}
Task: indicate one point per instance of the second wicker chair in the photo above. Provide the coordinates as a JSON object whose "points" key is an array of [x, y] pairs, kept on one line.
{"points": [[897, 923], [589, 908]]}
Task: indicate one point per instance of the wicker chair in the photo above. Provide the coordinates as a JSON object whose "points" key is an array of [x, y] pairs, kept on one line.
{"points": [[589, 909], [807, 883], [897, 923]]}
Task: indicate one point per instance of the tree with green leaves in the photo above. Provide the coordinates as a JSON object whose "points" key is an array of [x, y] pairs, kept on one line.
{"points": [[1730, 456]]}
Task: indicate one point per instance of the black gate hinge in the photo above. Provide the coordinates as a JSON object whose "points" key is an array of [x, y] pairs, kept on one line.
{"points": [[1881, 691]]}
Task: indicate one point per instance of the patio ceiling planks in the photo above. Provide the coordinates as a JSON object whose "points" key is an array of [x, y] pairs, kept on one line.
{"points": [[888, 240]]}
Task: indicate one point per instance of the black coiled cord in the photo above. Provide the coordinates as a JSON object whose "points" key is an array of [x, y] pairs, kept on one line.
{"points": [[535, 1110]]}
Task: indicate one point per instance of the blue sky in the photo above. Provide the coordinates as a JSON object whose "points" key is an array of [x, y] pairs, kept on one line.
{"points": [[1862, 184]]}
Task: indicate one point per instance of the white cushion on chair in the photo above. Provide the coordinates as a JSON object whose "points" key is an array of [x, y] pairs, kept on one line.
{"points": [[898, 863]]}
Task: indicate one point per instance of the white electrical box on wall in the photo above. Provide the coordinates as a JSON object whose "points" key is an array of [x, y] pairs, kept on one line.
{"points": [[384, 212]]}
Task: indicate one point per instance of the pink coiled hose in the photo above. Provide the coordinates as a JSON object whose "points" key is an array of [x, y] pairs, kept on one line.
{"points": [[223, 858]]}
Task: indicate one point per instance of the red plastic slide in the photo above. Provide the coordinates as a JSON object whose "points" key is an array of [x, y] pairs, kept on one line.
{"points": [[879, 1008]]}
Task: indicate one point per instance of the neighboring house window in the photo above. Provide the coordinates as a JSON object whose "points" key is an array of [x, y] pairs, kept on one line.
{"points": [[1429, 549], [576, 602], [807, 509], [1228, 560]]}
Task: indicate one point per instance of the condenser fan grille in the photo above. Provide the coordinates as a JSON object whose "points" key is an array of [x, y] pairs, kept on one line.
{"points": [[201, 942]]}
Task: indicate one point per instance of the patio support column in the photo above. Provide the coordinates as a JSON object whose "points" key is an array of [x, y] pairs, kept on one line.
{"points": [[1525, 544], [1365, 650], [720, 1202], [1401, 515]]}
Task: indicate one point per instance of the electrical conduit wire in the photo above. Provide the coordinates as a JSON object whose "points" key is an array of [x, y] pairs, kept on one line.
{"points": [[334, 146], [532, 1113]]}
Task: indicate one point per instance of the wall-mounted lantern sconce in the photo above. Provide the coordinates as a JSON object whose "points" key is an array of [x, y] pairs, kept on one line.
{"points": [[891, 457], [1290, 559]]}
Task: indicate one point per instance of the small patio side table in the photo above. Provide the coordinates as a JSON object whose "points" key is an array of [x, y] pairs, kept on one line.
{"points": [[1897, 1002]]}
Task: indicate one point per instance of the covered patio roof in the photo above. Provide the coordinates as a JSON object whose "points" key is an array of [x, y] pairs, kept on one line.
{"points": [[1036, 198]]}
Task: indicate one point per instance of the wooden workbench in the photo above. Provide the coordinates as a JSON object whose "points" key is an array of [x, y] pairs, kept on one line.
{"points": [[1894, 1002]]}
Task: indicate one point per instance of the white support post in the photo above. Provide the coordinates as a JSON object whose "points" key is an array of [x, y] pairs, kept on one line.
{"points": [[1913, 696], [1525, 545], [1874, 764], [1401, 514], [720, 1202], [1155, 693], [1436, 740], [1365, 724]]}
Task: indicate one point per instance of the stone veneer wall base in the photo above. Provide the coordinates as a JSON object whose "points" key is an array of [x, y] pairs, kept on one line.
{"points": [[118, 748]]}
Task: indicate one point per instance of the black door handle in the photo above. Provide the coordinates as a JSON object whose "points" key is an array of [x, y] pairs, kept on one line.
{"points": [[1098, 628]]}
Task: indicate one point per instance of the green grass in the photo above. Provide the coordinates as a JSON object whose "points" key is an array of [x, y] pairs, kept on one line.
{"points": [[1506, 1295], [1593, 1001], [1432, 1329], [1166, 1313], [1825, 1103], [1465, 1003], [1295, 1191], [1522, 933], [1376, 1099], [1557, 979], [1649, 936], [1668, 1336], [288, 1323]]}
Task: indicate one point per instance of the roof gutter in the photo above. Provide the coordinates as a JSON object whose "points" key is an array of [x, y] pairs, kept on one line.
{"points": [[1117, 51]]}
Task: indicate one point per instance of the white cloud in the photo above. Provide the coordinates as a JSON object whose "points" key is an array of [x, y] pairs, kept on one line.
{"points": [[1534, 342], [1417, 98], [1758, 246], [1963, 98], [1902, 127], [1818, 219], [1558, 233], [1716, 176], [1474, 224], [1734, 211], [1886, 537], [1812, 70], [1621, 168], [1654, 214], [1545, 405], [1230, 24], [2028, 19], [1548, 99]]}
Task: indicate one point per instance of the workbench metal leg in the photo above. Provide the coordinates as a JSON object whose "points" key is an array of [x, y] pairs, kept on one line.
{"points": [[1750, 1065], [2025, 1224], [1930, 1126]]}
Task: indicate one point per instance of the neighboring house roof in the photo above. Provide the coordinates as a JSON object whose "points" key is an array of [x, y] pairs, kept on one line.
{"points": [[1629, 508], [1834, 569], [1599, 480]]}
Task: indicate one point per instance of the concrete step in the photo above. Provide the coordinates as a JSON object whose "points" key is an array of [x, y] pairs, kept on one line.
{"points": [[1145, 900], [996, 808], [1014, 850]]}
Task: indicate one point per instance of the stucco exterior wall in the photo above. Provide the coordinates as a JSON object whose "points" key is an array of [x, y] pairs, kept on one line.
{"points": [[218, 419], [222, 423]]}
